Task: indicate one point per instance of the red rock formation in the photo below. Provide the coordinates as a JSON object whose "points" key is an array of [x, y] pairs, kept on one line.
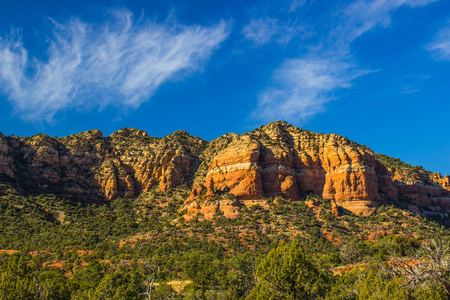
{"points": [[6, 161], [108, 179], [87, 164], [208, 209], [422, 187], [165, 163], [275, 160], [279, 160], [236, 169], [385, 183]]}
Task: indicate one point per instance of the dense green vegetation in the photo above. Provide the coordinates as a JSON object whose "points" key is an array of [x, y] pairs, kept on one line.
{"points": [[119, 249], [391, 162], [407, 173]]}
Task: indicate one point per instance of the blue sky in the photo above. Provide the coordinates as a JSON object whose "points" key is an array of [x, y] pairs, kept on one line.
{"points": [[375, 71]]}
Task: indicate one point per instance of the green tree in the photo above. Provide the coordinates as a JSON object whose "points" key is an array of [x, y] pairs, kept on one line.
{"points": [[23, 277], [16, 281], [376, 287], [118, 285], [373, 283], [85, 281], [164, 291], [287, 273], [240, 277], [201, 268]]}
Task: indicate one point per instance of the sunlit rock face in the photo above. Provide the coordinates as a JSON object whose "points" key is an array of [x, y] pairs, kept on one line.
{"points": [[274, 160], [280, 160]]}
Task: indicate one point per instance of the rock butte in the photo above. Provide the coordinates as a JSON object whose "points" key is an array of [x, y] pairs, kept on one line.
{"points": [[274, 160]]}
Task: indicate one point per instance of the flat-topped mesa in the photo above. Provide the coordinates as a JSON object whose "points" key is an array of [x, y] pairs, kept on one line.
{"points": [[281, 160]]}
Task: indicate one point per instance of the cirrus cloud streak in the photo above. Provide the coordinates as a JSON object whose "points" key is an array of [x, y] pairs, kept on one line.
{"points": [[121, 62], [441, 44], [303, 85]]}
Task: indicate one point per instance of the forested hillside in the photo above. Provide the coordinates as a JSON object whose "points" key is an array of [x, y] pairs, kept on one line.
{"points": [[111, 250], [277, 213]]}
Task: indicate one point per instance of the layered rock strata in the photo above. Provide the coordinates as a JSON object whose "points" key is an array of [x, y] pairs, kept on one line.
{"points": [[88, 166], [423, 188], [274, 160], [280, 160]]}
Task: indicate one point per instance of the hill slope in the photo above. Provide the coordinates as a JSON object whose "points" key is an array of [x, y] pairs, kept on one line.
{"points": [[86, 216], [274, 160]]}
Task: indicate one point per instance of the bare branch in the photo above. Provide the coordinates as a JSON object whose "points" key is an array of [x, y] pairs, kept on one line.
{"points": [[430, 265]]}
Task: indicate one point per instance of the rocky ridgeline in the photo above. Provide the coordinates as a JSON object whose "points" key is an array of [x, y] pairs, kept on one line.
{"points": [[275, 160]]}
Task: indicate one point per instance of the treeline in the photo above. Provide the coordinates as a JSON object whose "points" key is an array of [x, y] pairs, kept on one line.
{"points": [[287, 272]]}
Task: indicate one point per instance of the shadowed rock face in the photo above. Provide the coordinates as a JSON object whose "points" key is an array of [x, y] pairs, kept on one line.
{"points": [[87, 166], [421, 187], [275, 160]]}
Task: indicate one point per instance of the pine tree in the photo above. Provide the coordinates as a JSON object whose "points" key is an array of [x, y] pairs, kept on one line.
{"points": [[287, 273]]}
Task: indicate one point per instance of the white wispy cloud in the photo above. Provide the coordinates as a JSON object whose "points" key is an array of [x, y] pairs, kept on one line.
{"points": [[441, 44], [409, 90], [264, 30], [301, 87], [295, 5], [364, 15], [121, 62], [304, 85]]}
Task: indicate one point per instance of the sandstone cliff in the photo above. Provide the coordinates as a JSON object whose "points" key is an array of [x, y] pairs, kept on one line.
{"points": [[88, 166], [281, 160], [274, 160], [422, 187]]}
